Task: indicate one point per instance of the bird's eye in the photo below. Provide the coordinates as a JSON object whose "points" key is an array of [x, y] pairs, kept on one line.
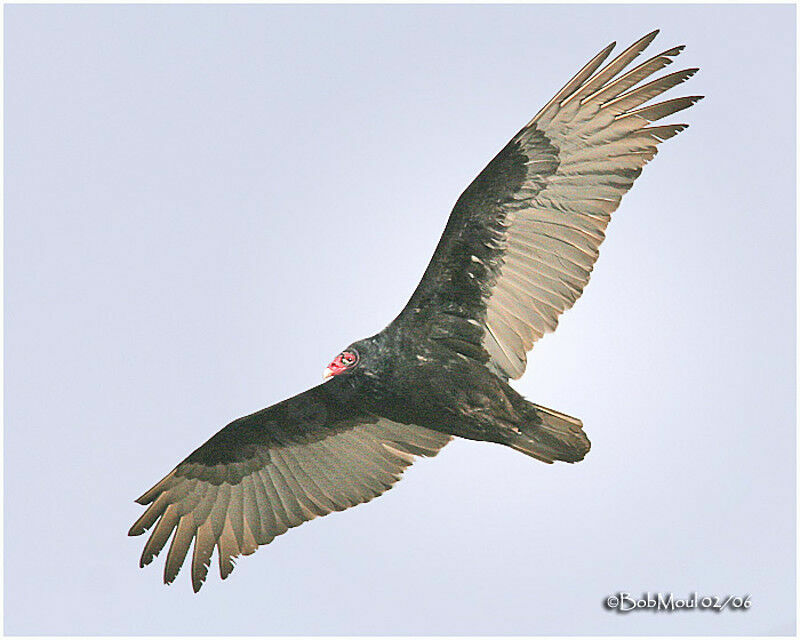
{"points": [[349, 358]]}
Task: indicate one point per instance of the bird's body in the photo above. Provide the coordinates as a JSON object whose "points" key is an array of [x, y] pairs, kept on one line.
{"points": [[517, 251], [431, 387]]}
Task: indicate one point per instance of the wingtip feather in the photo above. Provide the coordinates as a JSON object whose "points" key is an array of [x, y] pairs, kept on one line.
{"points": [[646, 39]]}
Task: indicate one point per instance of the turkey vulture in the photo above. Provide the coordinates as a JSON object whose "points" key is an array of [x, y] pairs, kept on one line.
{"points": [[517, 251]]}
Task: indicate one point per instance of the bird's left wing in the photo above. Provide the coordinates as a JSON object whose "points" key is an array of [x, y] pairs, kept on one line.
{"points": [[267, 472], [522, 239]]}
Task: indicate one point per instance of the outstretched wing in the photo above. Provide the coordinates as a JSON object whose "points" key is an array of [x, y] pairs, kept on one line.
{"points": [[522, 239], [273, 470]]}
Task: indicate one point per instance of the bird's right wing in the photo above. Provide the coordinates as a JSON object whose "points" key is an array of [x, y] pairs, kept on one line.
{"points": [[523, 237], [267, 472]]}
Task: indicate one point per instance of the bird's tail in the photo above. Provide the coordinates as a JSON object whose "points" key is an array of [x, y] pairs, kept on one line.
{"points": [[548, 435]]}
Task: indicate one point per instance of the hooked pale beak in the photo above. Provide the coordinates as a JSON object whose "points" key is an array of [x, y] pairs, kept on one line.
{"points": [[327, 373]]}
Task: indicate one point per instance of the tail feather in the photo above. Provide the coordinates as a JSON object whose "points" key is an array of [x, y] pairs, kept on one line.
{"points": [[549, 436]]}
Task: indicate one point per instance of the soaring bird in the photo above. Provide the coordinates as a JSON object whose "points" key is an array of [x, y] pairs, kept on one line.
{"points": [[517, 251]]}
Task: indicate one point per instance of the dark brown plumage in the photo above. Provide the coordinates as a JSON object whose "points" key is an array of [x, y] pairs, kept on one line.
{"points": [[517, 251]]}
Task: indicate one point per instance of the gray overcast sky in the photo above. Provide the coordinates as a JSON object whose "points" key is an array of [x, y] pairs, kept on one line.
{"points": [[204, 204]]}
